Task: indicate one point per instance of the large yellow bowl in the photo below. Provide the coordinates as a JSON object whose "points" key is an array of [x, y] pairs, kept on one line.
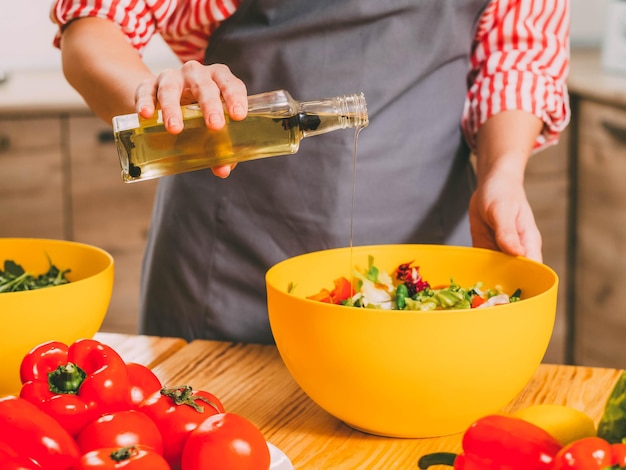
{"points": [[63, 313], [406, 373]]}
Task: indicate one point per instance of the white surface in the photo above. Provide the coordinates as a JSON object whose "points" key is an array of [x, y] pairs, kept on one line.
{"points": [[279, 460], [614, 41], [587, 25], [26, 35]]}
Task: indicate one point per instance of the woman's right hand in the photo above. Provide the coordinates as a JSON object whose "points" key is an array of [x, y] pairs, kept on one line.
{"points": [[214, 87]]}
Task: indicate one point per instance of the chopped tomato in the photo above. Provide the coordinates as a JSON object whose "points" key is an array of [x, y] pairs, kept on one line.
{"points": [[342, 291], [477, 300]]}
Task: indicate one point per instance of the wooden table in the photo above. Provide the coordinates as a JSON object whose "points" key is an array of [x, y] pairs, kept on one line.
{"points": [[251, 380]]}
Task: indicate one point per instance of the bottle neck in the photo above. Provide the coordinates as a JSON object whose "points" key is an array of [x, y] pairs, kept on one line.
{"points": [[326, 115]]}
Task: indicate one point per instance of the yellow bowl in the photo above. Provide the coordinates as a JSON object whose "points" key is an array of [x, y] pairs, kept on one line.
{"points": [[407, 373], [63, 313]]}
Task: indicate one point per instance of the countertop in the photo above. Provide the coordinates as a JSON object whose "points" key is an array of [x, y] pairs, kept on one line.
{"points": [[47, 91], [39, 92], [28, 92], [589, 79], [252, 380]]}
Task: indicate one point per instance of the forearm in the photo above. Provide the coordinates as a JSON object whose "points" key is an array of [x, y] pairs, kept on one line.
{"points": [[500, 216], [102, 66], [504, 145]]}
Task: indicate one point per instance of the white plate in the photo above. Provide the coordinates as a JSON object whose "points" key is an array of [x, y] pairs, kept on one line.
{"points": [[279, 460]]}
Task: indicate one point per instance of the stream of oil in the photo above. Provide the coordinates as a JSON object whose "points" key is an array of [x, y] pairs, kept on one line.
{"points": [[354, 160]]}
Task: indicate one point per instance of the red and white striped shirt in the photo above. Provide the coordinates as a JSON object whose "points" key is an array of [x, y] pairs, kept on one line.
{"points": [[519, 57]]}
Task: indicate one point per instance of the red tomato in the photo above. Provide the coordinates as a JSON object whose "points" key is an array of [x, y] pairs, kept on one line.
{"points": [[342, 291], [589, 452], [120, 429], [226, 441], [619, 454], [177, 412], [128, 458], [143, 382], [477, 301]]}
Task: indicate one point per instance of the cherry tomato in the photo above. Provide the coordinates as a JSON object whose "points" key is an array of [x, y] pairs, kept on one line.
{"points": [[619, 454], [143, 383], [177, 412], [120, 429], [226, 441], [587, 453], [128, 458]]}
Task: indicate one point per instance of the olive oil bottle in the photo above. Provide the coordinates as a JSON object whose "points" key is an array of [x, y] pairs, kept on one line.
{"points": [[275, 125]]}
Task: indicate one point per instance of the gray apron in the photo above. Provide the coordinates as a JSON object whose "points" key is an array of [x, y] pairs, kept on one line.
{"points": [[212, 240]]}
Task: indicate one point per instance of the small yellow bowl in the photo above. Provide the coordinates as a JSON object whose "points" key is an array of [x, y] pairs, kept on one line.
{"points": [[62, 313], [406, 373]]}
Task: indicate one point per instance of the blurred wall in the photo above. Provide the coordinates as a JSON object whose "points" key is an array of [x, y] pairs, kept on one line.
{"points": [[26, 33]]}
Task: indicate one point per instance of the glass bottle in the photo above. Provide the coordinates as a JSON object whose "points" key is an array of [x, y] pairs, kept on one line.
{"points": [[275, 125]]}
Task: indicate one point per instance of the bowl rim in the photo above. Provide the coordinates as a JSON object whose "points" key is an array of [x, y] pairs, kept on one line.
{"points": [[554, 283], [59, 241]]}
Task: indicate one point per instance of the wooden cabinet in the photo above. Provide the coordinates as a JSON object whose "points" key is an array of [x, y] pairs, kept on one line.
{"points": [[32, 190], [60, 178], [600, 296], [547, 187], [109, 213]]}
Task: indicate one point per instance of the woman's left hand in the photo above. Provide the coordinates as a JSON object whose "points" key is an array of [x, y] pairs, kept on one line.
{"points": [[501, 219]]}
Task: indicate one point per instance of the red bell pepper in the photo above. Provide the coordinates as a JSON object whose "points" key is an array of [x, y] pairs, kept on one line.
{"points": [[497, 442], [75, 384], [590, 453], [10, 459], [35, 438]]}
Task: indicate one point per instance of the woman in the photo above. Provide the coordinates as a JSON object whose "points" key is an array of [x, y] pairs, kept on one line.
{"points": [[440, 77]]}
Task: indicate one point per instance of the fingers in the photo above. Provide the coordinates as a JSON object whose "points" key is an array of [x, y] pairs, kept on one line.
{"points": [[223, 171], [209, 85], [213, 87], [506, 224], [145, 103]]}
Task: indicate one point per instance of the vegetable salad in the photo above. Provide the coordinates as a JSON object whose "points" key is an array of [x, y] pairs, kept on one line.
{"points": [[406, 289]]}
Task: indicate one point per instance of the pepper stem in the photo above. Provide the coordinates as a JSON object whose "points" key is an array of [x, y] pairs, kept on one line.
{"points": [[66, 379], [436, 458], [183, 396]]}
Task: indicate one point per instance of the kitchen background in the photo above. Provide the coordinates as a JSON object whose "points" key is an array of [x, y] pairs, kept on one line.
{"points": [[59, 175]]}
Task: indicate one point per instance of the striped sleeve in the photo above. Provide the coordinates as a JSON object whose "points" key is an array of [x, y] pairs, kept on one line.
{"points": [[185, 25], [520, 61], [138, 19]]}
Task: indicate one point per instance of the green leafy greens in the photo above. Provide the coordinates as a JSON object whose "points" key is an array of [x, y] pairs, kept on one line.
{"points": [[15, 278]]}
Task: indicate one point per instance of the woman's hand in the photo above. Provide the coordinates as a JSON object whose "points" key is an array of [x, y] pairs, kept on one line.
{"points": [[213, 87], [500, 216], [501, 219], [106, 70]]}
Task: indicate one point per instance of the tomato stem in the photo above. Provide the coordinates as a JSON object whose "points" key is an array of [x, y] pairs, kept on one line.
{"points": [[183, 396], [66, 379], [124, 453]]}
